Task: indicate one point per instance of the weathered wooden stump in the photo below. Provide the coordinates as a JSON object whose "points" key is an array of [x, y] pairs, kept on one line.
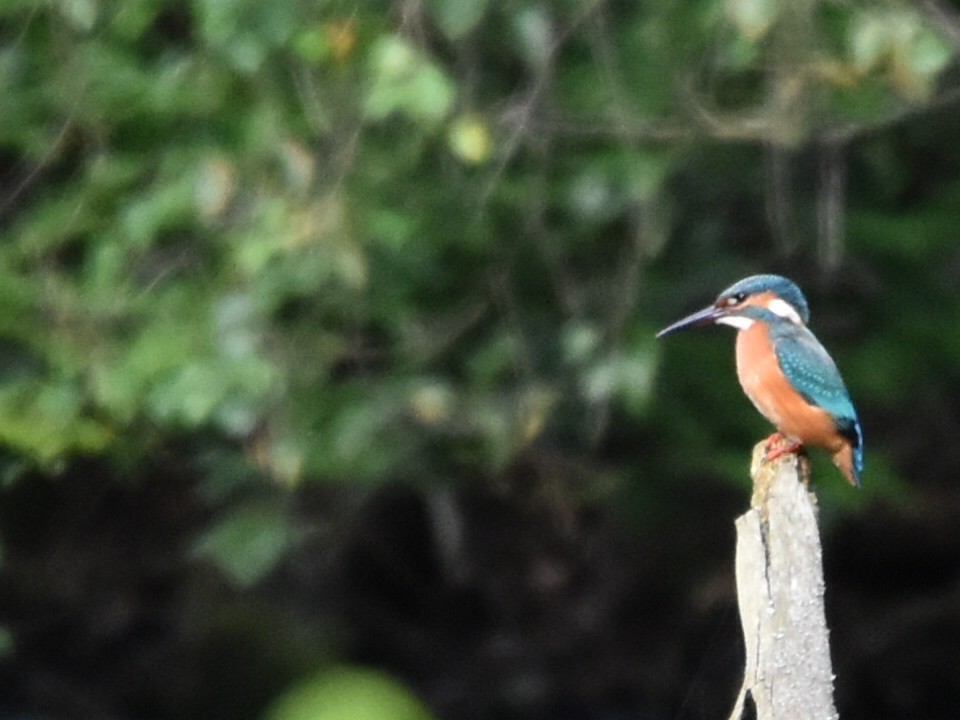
{"points": [[780, 588]]}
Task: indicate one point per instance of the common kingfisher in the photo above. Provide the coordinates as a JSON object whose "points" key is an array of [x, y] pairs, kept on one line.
{"points": [[785, 371]]}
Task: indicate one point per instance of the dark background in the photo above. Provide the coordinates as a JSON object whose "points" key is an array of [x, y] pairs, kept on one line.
{"points": [[326, 351]]}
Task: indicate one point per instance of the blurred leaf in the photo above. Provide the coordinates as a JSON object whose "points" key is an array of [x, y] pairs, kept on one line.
{"points": [[593, 194], [246, 31], [741, 53], [898, 41], [163, 207], [135, 19], [533, 30], [215, 187], [404, 80], [753, 18], [432, 403], [361, 433], [628, 378], [312, 44], [469, 139], [579, 342], [869, 41], [189, 394], [869, 98], [929, 53], [457, 17], [81, 14], [647, 171], [199, 392], [122, 383], [247, 543], [348, 694], [46, 422]]}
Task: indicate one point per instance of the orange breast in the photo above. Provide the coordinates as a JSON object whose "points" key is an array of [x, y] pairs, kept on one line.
{"points": [[769, 390]]}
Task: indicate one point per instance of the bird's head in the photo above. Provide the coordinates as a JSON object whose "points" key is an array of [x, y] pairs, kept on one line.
{"points": [[756, 298]]}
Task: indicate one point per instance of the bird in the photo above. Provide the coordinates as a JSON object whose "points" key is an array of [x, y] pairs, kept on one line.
{"points": [[785, 371]]}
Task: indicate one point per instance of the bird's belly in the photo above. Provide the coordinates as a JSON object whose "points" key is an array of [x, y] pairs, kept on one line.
{"points": [[772, 394]]}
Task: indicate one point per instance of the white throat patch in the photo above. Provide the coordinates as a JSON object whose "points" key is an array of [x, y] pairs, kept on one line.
{"points": [[738, 321], [784, 310]]}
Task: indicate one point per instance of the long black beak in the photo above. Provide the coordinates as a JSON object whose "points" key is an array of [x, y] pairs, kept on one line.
{"points": [[707, 316]]}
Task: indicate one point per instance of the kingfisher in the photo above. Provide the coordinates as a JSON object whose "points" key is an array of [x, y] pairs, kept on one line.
{"points": [[785, 371]]}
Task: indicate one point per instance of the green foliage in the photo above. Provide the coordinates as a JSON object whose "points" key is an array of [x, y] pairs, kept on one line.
{"points": [[365, 241], [246, 544], [404, 81], [753, 18], [457, 17], [359, 242], [348, 693]]}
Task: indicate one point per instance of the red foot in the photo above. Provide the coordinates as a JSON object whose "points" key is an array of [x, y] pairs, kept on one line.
{"points": [[778, 445]]}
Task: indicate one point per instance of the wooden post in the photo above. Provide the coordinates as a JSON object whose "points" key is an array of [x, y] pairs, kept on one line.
{"points": [[788, 675]]}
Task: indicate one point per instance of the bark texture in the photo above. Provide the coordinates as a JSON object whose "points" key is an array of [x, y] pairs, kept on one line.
{"points": [[780, 588]]}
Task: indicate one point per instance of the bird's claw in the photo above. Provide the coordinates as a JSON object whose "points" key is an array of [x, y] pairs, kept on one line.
{"points": [[778, 445]]}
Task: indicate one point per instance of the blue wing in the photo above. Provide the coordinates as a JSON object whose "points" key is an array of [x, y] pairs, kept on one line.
{"points": [[813, 373]]}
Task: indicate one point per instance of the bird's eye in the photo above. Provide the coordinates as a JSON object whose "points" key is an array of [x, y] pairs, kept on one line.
{"points": [[736, 299]]}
